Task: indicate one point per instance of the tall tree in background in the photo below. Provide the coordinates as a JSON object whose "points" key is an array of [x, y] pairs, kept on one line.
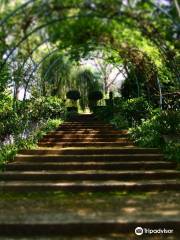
{"points": [[86, 81], [55, 75]]}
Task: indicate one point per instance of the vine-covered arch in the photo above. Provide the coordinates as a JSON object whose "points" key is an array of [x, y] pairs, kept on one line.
{"points": [[5, 20], [46, 25]]}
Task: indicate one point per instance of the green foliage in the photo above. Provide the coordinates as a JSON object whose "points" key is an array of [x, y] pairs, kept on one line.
{"points": [[135, 109], [151, 131], [73, 95], [86, 81], [147, 134], [46, 107], [104, 113], [56, 74], [143, 35], [7, 152], [119, 121], [7, 117], [125, 113], [4, 78], [17, 116], [107, 114], [172, 151], [71, 114]]}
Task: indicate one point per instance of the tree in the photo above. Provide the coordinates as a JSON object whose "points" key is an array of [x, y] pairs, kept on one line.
{"points": [[55, 75], [86, 82]]}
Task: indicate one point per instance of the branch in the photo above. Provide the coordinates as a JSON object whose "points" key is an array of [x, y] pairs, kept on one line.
{"points": [[120, 71], [177, 7]]}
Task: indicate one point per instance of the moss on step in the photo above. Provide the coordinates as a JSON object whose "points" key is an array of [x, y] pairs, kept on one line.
{"points": [[89, 206], [60, 195]]}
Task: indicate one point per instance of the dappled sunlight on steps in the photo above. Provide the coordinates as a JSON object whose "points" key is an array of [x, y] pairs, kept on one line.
{"points": [[88, 156], [88, 150]]}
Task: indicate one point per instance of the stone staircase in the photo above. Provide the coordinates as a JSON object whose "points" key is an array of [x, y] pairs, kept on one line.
{"points": [[87, 155]]}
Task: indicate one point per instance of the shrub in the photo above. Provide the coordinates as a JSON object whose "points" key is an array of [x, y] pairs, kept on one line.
{"points": [[119, 122], [104, 113], [71, 115], [53, 107], [45, 107], [169, 122], [172, 151], [18, 116], [136, 109], [7, 152], [73, 95], [95, 96], [8, 118], [150, 132], [146, 134]]}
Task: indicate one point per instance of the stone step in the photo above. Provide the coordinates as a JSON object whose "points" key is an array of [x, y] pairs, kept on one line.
{"points": [[93, 150], [83, 135], [80, 124], [149, 185], [67, 166], [97, 161], [92, 157], [85, 127], [85, 131], [84, 144], [89, 175], [72, 128], [98, 137], [85, 230], [58, 140], [85, 120], [95, 127]]}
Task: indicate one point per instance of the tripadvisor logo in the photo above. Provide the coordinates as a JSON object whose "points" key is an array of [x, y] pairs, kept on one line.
{"points": [[139, 231]]}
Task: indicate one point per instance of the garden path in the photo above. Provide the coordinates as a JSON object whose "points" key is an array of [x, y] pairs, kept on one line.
{"points": [[73, 173]]}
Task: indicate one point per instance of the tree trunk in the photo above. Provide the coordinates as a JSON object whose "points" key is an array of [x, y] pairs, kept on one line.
{"points": [[177, 7]]}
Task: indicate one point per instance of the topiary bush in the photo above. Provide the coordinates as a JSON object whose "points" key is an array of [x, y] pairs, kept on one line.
{"points": [[73, 95], [95, 96]]}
